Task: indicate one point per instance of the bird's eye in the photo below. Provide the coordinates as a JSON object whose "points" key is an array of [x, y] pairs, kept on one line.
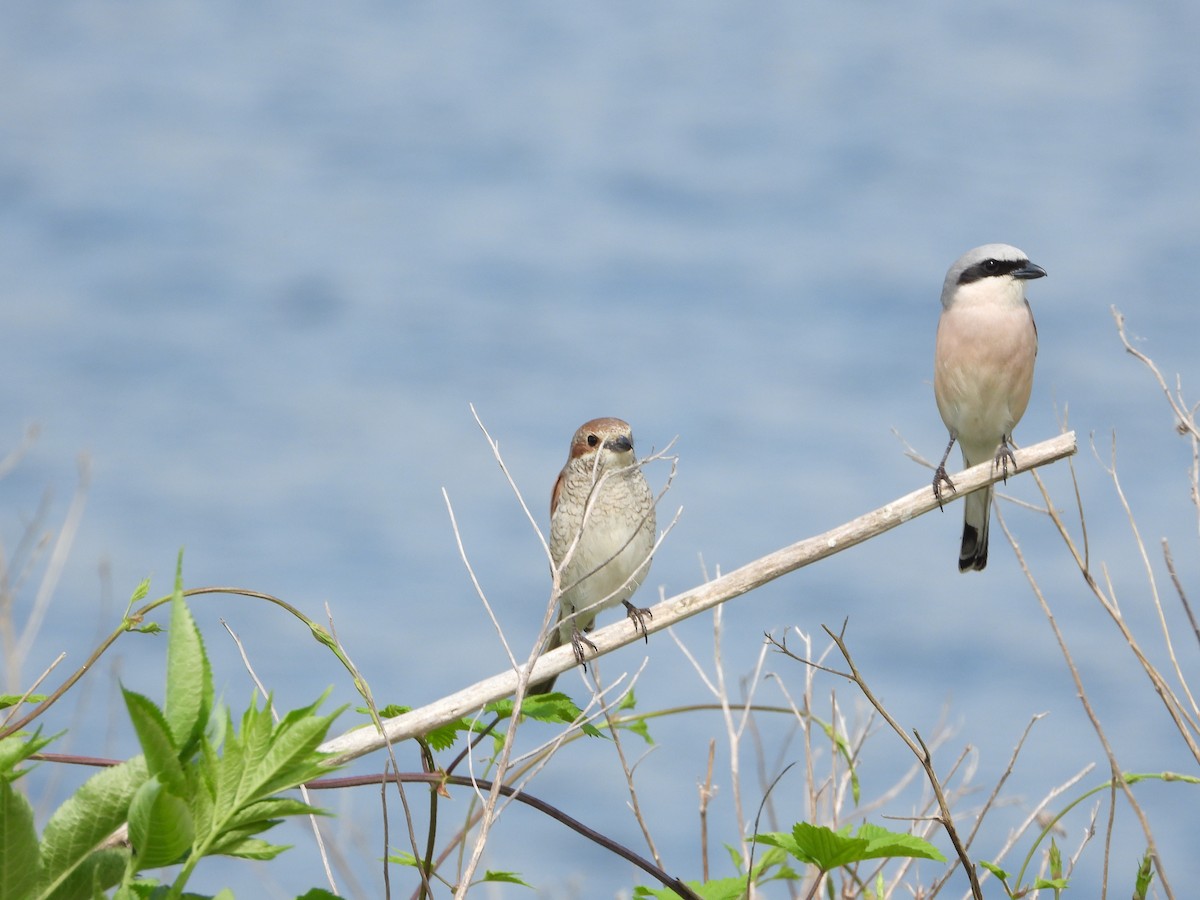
{"points": [[593, 440], [991, 265]]}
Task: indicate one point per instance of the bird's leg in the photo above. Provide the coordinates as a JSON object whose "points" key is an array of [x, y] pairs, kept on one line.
{"points": [[639, 614], [577, 642], [939, 475], [1004, 456]]}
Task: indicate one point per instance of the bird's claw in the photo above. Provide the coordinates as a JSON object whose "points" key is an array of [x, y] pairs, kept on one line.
{"points": [[639, 614], [1004, 456], [939, 478], [577, 641]]}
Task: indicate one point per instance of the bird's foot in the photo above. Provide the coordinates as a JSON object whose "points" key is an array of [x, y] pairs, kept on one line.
{"points": [[939, 478], [1004, 456], [577, 642], [639, 614]]}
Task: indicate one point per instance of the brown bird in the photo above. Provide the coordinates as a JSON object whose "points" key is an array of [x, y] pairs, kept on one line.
{"points": [[602, 531]]}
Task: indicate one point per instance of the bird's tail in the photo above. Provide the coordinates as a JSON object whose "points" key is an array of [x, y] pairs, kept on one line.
{"points": [[976, 513], [545, 687]]}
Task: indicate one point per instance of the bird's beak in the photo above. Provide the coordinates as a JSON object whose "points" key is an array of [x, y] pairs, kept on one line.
{"points": [[1029, 271], [620, 444]]}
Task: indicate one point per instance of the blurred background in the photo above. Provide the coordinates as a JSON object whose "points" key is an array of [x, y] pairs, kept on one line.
{"points": [[259, 257]]}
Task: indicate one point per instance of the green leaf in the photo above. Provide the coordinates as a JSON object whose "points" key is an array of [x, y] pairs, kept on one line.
{"points": [[189, 676], [18, 844], [883, 843], [444, 736], [504, 877], [1050, 884], [87, 817], [827, 849], [99, 871], [154, 734], [388, 712], [313, 894], [1145, 875], [717, 889], [554, 708], [139, 592], [7, 700], [16, 748], [253, 848], [994, 869], [160, 826]]}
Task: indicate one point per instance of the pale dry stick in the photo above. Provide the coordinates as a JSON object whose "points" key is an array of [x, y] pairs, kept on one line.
{"points": [[1036, 813], [237, 642], [923, 824], [919, 749], [1003, 779], [1109, 602], [58, 560], [628, 770], [364, 691], [17, 453], [462, 703], [1088, 834], [1171, 703], [1080, 691], [707, 792], [1153, 582], [529, 765], [25, 557], [12, 710], [1185, 416], [1187, 607]]}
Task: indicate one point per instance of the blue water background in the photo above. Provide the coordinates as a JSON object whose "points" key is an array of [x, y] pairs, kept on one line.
{"points": [[258, 257]]}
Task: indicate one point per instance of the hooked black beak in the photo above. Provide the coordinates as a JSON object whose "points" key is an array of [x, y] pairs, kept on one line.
{"points": [[1029, 271], [620, 444]]}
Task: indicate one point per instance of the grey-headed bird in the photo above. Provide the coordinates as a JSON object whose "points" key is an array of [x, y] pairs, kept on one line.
{"points": [[983, 372], [601, 533]]}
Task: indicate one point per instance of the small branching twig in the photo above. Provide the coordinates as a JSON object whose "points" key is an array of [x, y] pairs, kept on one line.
{"points": [[915, 743]]}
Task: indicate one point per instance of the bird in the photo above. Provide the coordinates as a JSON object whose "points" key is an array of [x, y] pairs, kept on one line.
{"points": [[602, 530], [986, 346]]}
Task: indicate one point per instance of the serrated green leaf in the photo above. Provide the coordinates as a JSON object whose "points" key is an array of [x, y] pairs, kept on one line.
{"points": [[445, 736], [254, 848], [18, 844], [87, 817], [827, 849], [99, 871], [189, 676], [883, 843], [388, 712], [160, 826], [154, 734]]}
